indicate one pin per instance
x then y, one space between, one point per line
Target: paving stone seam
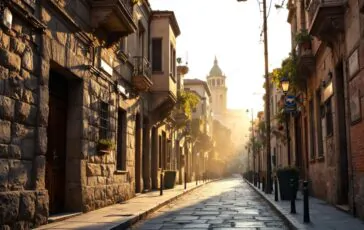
290 221
144 214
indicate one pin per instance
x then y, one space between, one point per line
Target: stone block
41 141
31 83
17 46
21 225
4 151
92 181
100 193
15 152
28 148
7 107
5 131
26 113
27 60
4 41
27 206
29 97
13 87
24 74
9 208
93 169
39 168
41 207
9 60
4 174
44 72
20 174
5 227
22 132
101 180
95 88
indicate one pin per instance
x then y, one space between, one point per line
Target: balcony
141 78
305 61
164 95
114 16
327 18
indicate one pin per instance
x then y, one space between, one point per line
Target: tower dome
215 70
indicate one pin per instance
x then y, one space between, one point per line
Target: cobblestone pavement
224 204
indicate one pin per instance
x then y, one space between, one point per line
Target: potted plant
304 39
105 146
169 179
284 178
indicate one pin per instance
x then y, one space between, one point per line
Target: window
141 43
318 123
312 131
104 120
123 44
329 122
172 61
121 141
157 54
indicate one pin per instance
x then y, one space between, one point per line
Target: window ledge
120 172
158 72
320 158
312 161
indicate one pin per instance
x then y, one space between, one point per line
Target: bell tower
216 81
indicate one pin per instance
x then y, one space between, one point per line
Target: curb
292 223
143 215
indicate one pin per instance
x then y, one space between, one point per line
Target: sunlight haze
230 30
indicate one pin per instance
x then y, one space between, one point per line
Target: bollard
293 201
185 180
263 184
196 180
161 184
258 181
275 188
306 214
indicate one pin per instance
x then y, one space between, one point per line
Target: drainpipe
348 143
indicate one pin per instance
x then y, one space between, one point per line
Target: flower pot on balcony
104 146
305 45
169 179
284 178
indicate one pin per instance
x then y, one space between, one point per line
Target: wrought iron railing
314 5
142 67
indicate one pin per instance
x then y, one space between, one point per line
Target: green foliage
105 144
303 36
288 69
187 102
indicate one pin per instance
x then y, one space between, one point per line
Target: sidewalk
123 215
323 216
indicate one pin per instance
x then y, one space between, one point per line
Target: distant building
231 118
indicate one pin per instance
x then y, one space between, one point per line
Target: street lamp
285 88
285 84
268 187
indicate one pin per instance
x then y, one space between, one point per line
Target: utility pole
268 187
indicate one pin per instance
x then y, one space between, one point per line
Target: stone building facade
74 75
330 123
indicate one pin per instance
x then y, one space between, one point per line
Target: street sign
290 103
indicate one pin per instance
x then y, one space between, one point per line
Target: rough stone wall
354 41
23 200
105 186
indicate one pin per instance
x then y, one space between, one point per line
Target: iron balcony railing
142 67
314 5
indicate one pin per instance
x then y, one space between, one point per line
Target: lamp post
285 88
268 187
253 143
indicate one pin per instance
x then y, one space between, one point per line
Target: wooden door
56 152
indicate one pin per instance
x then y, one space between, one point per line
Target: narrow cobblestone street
224 204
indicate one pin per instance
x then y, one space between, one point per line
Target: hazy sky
230 30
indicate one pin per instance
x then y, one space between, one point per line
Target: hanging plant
187 101
105 146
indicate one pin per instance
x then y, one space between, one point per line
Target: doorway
56 151
343 157
138 163
298 145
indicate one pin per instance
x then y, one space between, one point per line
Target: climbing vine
187 102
